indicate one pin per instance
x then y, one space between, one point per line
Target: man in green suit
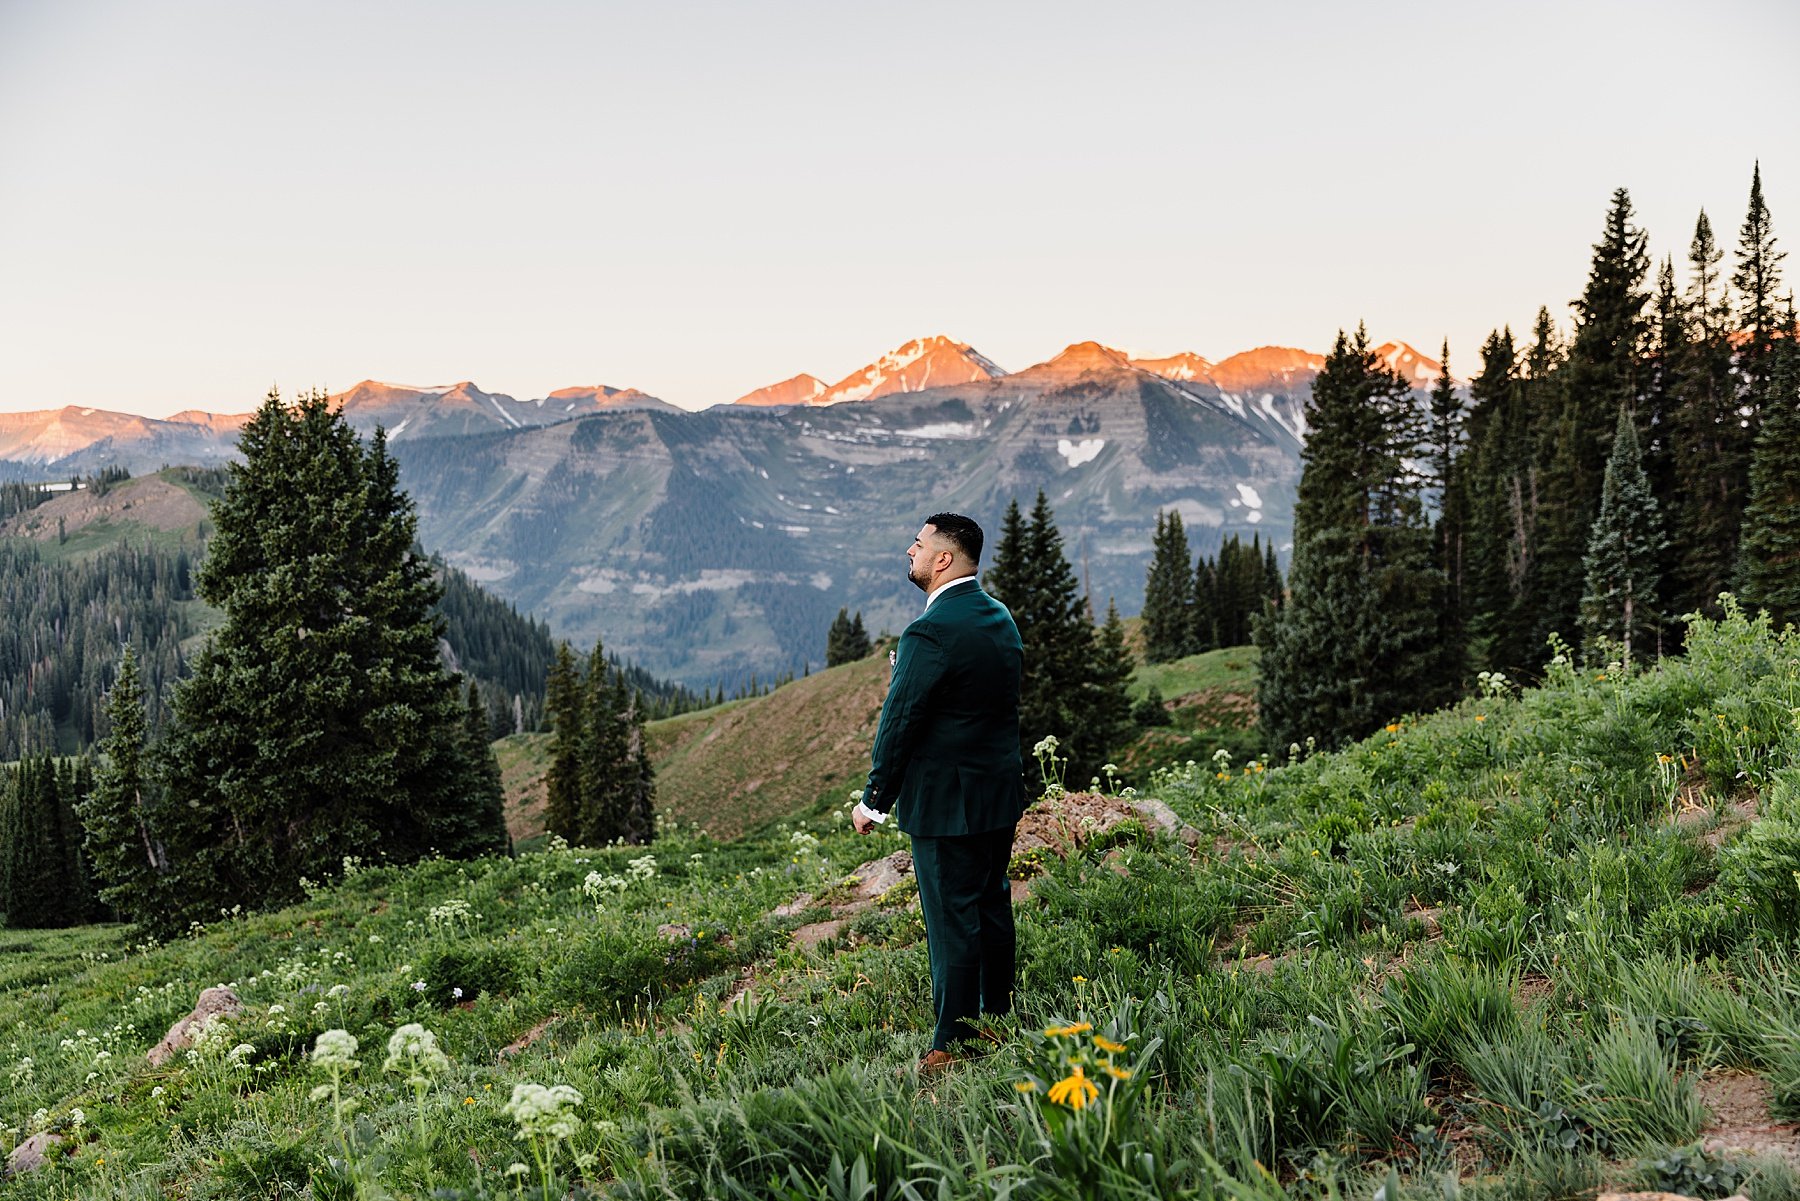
946 764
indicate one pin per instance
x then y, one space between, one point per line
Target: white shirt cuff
867 814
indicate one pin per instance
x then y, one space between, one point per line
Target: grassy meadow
1535 945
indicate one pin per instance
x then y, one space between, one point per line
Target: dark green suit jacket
946 758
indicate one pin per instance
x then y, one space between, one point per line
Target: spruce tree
1361 638
847 641
45 874
603 751
1203 619
1603 374
1446 443
1711 444
562 780
485 784
639 809
1168 593
1758 281
319 721
1619 602
1032 578
1109 721
128 860
1769 571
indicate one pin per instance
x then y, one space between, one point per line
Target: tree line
1591 487
600 788
1202 604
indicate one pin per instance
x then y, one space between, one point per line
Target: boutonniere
893 657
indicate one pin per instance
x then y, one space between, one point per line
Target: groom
946 762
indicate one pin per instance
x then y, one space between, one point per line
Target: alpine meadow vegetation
1509 949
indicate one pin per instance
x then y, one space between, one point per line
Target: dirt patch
1532 989
814 933
1741 1122
1741 813
526 1039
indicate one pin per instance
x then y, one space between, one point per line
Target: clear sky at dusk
199 199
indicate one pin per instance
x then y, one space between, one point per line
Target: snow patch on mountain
1080 452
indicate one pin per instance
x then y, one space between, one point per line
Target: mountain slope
710 545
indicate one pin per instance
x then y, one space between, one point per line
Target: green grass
1493 945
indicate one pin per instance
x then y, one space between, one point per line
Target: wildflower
1025 1086
1074 1090
1108 1045
468 1100
418 986
1070 1030
1116 1073
1079 979
1046 745
338 990
544 1112
336 1049
1391 728
416 1048
1481 717
518 1169
456 994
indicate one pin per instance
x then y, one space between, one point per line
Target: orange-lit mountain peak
1184 366
1417 369
932 362
798 390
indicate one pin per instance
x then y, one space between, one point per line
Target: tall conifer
1361 638
1769 573
1168 593
128 860
1619 602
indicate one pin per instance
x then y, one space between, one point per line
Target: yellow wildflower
1079 979
1481 717
1391 728
468 1100
1074 1090
1067 1031
1108 1045
1116 1073
1025 1086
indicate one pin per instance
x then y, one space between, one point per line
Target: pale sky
201 199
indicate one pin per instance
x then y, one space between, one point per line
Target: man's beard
912 573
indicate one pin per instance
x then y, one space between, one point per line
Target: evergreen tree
319 721
1203 619
562 780
1446 444
640 780
1603 375
1272 585
1769 573
47 883
128 863
1108 683
1623 569
847 641
1168 599
1361 638
1032 578
1758 282
1709 479
484 780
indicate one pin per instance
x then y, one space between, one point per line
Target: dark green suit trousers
967 902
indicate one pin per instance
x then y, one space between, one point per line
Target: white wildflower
544 1112
336 1049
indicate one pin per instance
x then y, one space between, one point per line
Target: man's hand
863 824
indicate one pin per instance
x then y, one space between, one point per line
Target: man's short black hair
960 531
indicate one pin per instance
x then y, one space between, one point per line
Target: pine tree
1361 638
1603 374
1272 583
484 779
1758 282
1623 569
1769 572
1168 599
1446 443
1711 445
128 862
562 780
639 808
45 873
847 641
319 721
603 750
1108 683
1203 619
1032 578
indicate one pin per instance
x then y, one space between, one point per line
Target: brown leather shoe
936 1063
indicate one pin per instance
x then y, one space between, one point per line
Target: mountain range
710 545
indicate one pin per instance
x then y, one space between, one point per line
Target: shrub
465 971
